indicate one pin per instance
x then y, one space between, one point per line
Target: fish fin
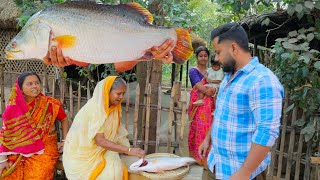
142 10
183 49
124 66
65 41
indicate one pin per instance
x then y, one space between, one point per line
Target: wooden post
177 116
158 119
71 100
3 101
43 86
283 135
144 102
79 96
291 145
307 169
88 90
299 154
127 105
136 116
53 87
170 119
183 118
45 80
146 139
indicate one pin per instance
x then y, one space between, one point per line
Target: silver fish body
95 33
161 164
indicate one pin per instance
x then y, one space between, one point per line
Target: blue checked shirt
248 110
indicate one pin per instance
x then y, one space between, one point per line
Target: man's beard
229 66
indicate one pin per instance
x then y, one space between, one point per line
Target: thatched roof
258 32
9 12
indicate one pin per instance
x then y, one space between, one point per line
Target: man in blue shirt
248 109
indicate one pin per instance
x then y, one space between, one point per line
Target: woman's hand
60 147
4 165
55 57
163 52
204 147
136 152
210 92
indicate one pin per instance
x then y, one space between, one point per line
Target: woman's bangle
5 160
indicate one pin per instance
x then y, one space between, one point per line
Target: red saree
25 136
201 118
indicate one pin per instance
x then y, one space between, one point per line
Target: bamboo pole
291 145
127 105
71 100
53 87
307 169
283 135
145 102
158 119
136 116
88 90
79 96
43 86
170 119
299 154
183 117
146 139
3 101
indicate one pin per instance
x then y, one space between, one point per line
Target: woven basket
171 174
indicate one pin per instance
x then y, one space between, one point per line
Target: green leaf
285 56
287 45
299 8
317 65
317 24
291 9
317 5
317 35
305 59
290 108
311 29
300 15
308 4
293 40
308 131
310 37
302 36
302 31
313 51
293 33
265 22
300 122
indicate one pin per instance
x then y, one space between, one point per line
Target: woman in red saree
28 139
200 115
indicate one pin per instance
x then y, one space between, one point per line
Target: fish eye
14 44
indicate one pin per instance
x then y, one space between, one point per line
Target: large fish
97 34
160 164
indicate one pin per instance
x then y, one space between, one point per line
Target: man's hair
202 48
232 32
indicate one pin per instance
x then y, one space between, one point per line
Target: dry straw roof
9 12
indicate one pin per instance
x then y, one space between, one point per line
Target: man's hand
240 175
163 52
204 147
55 57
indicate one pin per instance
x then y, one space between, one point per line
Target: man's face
223 55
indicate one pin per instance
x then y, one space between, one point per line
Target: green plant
298 68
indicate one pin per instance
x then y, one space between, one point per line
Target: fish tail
183 49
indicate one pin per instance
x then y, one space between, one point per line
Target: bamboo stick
298 160
136 115
79 96
283 135
146 139
183 117
170 119
3 101
158 119
44 86
53 87
88 90
307 169
127 105
71 100
291 145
